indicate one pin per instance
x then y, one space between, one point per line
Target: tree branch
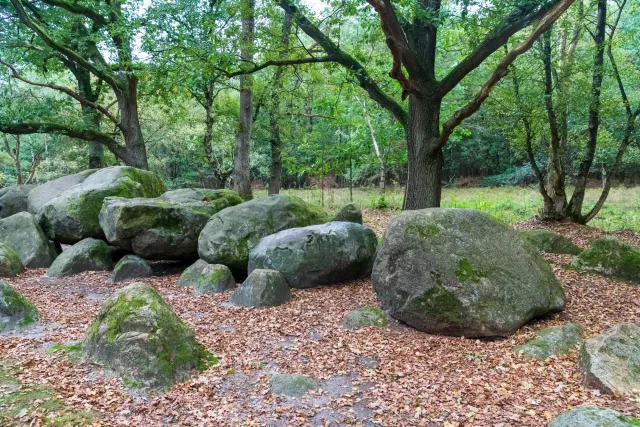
78 9
83 101
347 61
501 71
280 63
513 23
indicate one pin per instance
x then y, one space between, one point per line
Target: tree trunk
274 113
135 152
424 156
241 166
574 208
91 119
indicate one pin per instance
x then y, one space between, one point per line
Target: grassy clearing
508 204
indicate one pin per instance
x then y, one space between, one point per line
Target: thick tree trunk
574 208
425 158
135 152
241 165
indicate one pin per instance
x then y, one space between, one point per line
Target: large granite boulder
233 232
318 254
610 362
43 193
611 257
166 227
460 272
86 255
15 309
551 341
73 214
548 241
131 267
214 279
13 199
586 416
23 233
137 335
263 288
10 264
349 213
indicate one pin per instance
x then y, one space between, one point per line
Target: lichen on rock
551 341
15 309
611 257
10 264
365 317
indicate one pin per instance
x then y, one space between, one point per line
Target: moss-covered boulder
10 264
365 317
349 213
263 288
138 336
23 233
166 227
131 267
587 416
233 232
214 279
611 257
610 362
13 199
551 341
86 255
548 241
293 385
49 190
73 214
318 254
15 309
191 274
460 272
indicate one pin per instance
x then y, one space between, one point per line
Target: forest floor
392 376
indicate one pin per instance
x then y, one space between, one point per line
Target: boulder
318 254
214 279
233 232
459 272
43 193
86 255
611 257
610 362
166 227
586 416
73 214
10 264
263 288
131 267
137 335
349 213
364 317
191 274
15 309
23 233
551 341
548 241
13 199
293 385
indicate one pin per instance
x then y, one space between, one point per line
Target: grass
508 204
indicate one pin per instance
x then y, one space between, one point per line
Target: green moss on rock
547 241
551 341
349 213
214 279
364 317
15 309
131 267
86 255
611 257
10 264
138 335
191 274
293 385
586 416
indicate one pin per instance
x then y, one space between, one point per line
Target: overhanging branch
279 63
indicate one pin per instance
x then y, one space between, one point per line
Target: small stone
10 264
131 267
586 416
551 341
263 288
15 309
214 279
292 384
365 316
86 255
611 257
191 274
349 213
548 241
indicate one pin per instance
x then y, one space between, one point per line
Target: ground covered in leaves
392 376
